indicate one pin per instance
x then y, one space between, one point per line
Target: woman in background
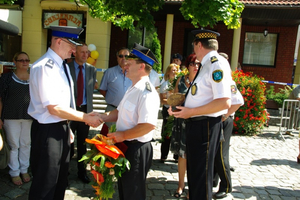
164 93
15 98
178 144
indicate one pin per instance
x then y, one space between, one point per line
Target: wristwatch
224 117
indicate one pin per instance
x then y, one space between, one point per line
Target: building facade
266 43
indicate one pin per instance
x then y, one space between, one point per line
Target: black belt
61 122
81 106
64 122
131 141
194 119
112 105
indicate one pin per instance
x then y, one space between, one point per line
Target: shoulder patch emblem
49 63
213 59
217 75
148 87
233 89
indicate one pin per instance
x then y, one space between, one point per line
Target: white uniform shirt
207 88
138 105
48 86
236 96
154 78
164 87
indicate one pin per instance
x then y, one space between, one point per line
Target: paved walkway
265 168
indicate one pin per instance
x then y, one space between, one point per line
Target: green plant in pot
280 96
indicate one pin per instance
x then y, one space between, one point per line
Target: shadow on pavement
249 192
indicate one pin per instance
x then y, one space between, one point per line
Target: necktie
66 72
79 87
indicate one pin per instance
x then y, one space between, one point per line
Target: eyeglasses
122 56
68 42
23 61
194 64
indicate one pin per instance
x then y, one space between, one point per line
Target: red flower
98 176
109 164
109 150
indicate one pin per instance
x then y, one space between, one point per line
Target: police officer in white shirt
207 100
136 118
52 105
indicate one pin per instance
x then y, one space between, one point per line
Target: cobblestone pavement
265 168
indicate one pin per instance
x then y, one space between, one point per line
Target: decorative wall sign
62 19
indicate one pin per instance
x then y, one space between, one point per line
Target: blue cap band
64 34
143 57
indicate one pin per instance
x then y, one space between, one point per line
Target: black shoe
219 195
84 178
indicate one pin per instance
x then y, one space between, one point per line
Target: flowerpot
271 104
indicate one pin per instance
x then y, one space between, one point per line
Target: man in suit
83 91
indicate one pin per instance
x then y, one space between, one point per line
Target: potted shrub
275 100
252 116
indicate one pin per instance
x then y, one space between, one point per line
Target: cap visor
73 42
132 56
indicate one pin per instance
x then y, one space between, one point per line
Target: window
9 45
140 36
188 40
260 49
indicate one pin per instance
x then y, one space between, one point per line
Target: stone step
99 106
98 96
275 118
99 101
99 110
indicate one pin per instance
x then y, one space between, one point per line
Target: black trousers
222 166
82 131
49 159
202 138
132 184
165 145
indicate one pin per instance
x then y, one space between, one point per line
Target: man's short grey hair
209 44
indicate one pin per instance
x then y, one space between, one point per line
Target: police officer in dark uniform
222 167
206 101
52 105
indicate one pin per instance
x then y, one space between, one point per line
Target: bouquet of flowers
108 163
167 129
177 76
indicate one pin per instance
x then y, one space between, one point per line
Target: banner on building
62 19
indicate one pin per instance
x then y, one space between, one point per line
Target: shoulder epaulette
213 59
148 87
49 63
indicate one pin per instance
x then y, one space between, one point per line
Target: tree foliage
124 13
9 2
208 12
156 49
